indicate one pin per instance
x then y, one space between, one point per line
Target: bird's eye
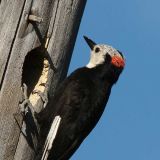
97 49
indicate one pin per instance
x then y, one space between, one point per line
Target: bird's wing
70 150
71 104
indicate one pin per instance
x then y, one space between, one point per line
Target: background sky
130 126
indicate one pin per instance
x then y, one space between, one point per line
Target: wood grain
18 37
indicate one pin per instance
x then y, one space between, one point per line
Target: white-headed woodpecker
81 98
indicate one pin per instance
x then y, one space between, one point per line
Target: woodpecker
81 99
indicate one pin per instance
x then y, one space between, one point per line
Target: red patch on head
118 61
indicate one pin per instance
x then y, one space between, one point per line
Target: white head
99 53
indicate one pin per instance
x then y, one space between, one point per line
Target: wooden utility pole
36 42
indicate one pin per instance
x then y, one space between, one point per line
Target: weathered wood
9 21
18 38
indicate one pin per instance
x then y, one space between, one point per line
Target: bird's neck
106 72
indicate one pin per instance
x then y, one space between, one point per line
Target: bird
81 98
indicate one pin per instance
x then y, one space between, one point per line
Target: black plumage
80 101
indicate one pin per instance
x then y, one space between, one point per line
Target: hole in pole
35 74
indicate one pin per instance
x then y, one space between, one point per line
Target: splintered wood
40 86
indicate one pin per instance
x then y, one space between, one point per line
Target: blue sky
130 126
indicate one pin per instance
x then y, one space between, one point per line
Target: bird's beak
89 42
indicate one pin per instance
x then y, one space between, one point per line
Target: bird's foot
26 105
28 124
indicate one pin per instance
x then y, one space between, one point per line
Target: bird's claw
24 106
